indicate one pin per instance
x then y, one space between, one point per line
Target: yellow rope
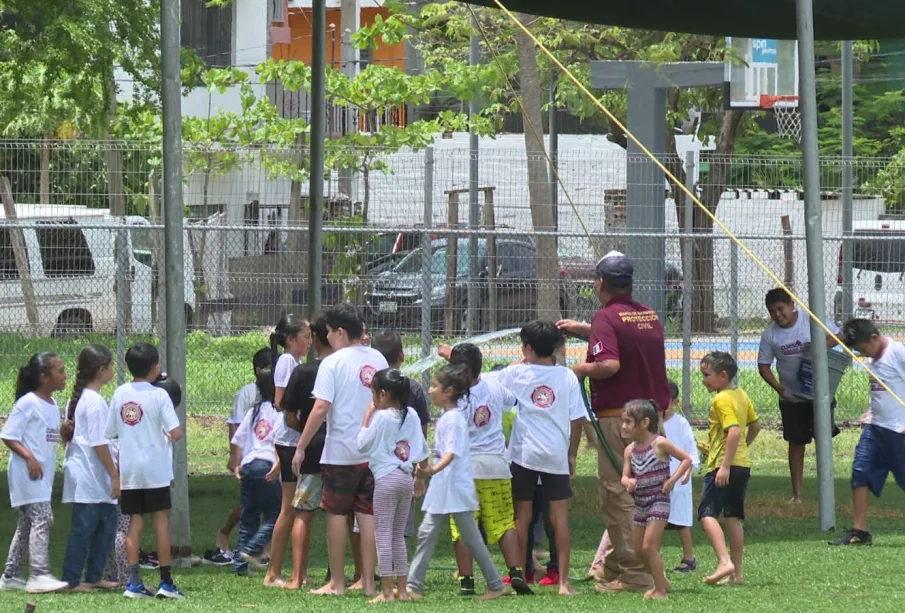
694 198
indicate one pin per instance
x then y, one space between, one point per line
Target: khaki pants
618 508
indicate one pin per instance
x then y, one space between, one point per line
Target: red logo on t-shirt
366 374
481 416
543 397
131 412
402 450
262 429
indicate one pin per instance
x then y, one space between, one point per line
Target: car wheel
73 324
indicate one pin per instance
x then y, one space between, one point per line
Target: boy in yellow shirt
733 426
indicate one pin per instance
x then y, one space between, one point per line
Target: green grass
788 565
219 366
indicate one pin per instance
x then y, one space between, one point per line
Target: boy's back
730 407
140 416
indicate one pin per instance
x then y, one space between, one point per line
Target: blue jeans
261 501
91 537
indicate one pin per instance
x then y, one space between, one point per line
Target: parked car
878 272
397 295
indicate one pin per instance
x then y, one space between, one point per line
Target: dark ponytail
266 391
397 385
289 325
91 359
457 377
29 379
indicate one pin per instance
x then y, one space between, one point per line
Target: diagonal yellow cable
695 199
537 136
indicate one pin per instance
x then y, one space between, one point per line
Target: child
298 403
293 334
646 475
678 432
483 412
254 456
90 477
144 421
733 426
392 438
451 492
246 399
32 434
881 449
545 436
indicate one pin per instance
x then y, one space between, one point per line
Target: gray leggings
31 541
428 534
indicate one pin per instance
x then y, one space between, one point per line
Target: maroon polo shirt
631 333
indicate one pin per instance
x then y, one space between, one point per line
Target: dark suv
396 296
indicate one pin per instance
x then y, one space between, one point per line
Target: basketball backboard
770 69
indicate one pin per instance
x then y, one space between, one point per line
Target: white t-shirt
678 431
246 399
284 435
885 411
140 417
451 490
788 346
36 424
344 380
549 400
256 439
483 411
85 480
392 444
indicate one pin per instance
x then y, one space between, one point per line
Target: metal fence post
733 301
122 265
688 285
426 260
474 213
848 135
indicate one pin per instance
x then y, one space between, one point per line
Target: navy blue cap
616 266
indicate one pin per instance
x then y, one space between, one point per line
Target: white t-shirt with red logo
36 424
284 436
141 415
344 380
549 400
255 434
391 444
483 411
85 480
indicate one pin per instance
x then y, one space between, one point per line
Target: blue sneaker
139 592
169 590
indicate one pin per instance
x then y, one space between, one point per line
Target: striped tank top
650 472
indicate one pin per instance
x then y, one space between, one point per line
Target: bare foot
492 594
295 585
404 596
722 571
565 589
327 590
655 595
274 581
358 585
731 580
382 598
795 500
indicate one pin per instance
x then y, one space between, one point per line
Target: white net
788 121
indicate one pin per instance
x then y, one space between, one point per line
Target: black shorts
143 502
727 501
524 484
286 454
798 421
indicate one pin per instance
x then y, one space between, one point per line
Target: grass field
219 366
789 566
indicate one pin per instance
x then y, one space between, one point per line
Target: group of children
347 433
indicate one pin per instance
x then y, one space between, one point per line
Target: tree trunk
20 253
296 245
548 304
46 145
198 246
703 305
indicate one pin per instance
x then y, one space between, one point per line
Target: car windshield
412 262
880 254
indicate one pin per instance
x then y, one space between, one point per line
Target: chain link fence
81 250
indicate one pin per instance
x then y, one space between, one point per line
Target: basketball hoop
788 117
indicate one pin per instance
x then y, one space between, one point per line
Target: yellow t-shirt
729 408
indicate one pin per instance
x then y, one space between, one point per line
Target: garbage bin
838 362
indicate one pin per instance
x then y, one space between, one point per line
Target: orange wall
300 47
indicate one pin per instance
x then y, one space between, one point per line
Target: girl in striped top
645 474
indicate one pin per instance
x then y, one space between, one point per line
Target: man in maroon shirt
626 361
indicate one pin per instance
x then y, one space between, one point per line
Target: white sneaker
44 584
12 584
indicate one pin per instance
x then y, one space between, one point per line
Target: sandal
687 566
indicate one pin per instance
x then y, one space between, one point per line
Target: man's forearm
597 370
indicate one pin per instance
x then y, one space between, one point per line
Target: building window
208 31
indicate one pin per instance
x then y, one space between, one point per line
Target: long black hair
29 379
289 325
397 385
91 360
266 391
457 377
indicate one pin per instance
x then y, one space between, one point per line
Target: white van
72 262
878 263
